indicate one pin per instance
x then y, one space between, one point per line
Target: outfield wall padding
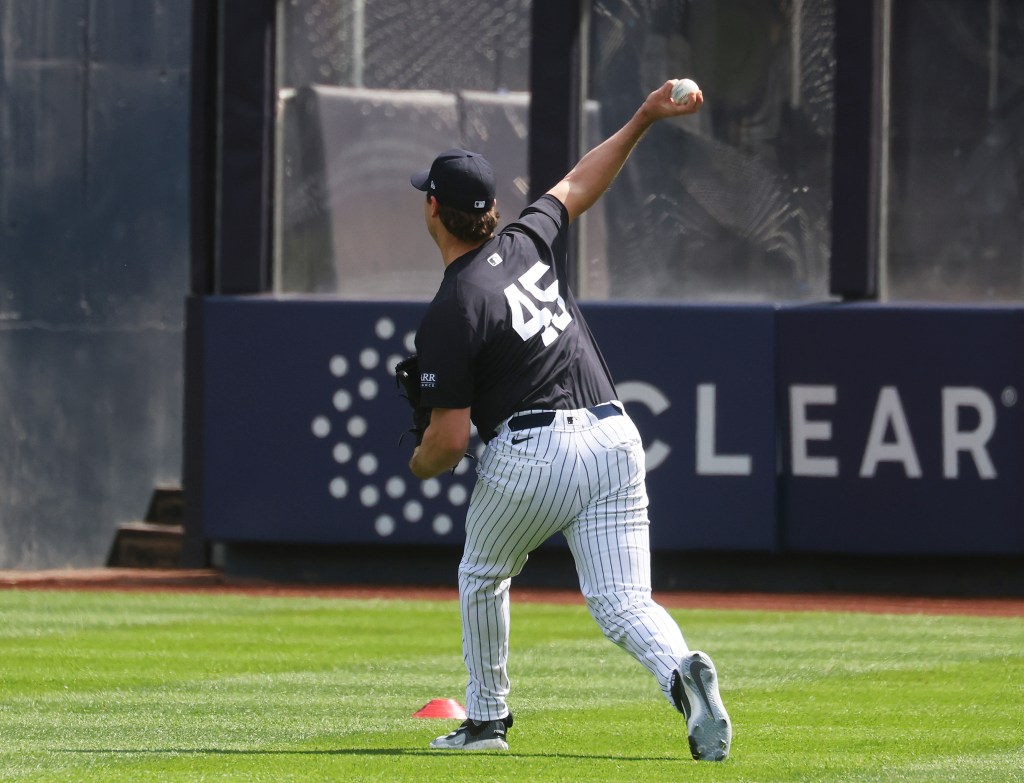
846 429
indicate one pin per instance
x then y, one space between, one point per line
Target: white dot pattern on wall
371 476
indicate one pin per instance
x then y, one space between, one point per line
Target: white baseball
682 89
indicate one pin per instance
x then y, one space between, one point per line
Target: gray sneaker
695 692
471 735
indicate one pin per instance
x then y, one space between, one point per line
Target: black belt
530 420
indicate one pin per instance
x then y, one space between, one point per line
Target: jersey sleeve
444 344
546 217
547 220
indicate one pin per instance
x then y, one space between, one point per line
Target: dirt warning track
211 581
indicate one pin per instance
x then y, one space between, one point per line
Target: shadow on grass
355 752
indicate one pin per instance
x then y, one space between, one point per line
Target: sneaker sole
491 744
711 737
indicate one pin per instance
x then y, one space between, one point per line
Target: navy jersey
504 333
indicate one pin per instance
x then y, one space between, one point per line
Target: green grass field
129 686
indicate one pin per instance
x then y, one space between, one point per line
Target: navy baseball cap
459 179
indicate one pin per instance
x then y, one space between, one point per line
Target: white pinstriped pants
582 476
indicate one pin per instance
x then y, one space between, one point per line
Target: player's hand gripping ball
683 90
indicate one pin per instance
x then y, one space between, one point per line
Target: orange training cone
442 708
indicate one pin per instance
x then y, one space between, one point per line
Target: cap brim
420 181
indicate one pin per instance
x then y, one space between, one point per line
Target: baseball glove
407 374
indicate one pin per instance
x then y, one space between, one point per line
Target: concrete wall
93 269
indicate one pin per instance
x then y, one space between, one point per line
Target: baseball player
503 345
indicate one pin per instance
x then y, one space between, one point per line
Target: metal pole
358 41
280 102
883 156
795 52
993 55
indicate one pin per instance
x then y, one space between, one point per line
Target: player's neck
452 248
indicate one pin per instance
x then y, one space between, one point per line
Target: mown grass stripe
136 686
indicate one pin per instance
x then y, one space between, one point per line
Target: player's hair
469 226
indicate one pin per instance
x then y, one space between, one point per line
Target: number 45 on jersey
529 304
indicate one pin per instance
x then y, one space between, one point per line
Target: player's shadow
346 752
